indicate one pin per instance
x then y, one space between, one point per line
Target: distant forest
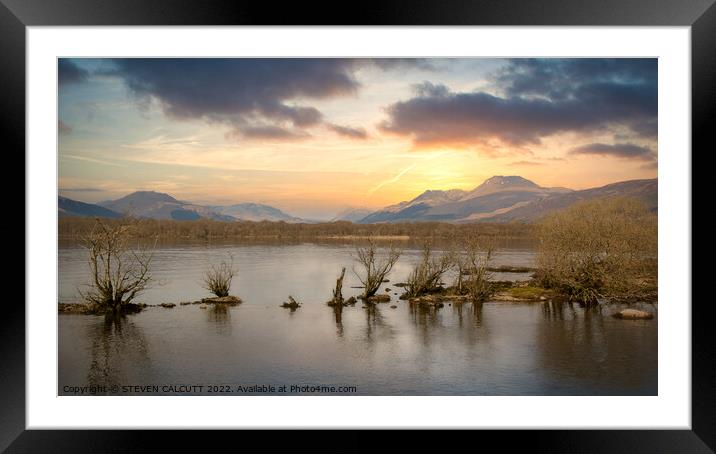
74 227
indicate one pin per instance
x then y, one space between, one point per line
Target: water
495 348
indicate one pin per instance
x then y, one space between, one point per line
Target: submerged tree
217 278
337 299
472 262
427 274
119 272
376 264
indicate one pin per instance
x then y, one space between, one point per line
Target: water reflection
373 320
219 317
118 346
338 316
580 347
461 348
470 311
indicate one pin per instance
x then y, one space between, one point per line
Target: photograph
373 226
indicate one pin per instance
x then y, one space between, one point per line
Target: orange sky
115 140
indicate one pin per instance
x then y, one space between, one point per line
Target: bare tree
428 273
472 263
119 272
375 264
217 278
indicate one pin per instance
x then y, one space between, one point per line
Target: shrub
598 248
118 271
217 279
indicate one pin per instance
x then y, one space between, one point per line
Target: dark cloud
246 93
619 150
562 78
542 97
63 128
428 89
69 73
269 132
349 132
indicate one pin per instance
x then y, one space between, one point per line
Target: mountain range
498 199
495 195
69 207
255 212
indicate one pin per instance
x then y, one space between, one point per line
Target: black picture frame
700 15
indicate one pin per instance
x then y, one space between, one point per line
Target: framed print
445 217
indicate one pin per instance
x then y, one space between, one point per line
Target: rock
542 298
386 280
203 306
291 304
387 289
438 299
66 308
393 306
168 305
633 314
184 303
221 300
377 299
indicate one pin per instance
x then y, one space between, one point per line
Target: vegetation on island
218 277
604 248
375 263
119 270
594 250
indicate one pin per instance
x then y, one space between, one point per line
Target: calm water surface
495 348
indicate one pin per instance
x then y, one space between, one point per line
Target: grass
528 293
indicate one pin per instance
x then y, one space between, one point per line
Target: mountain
644 190
496 195
69 207
255 212
157 205
352 214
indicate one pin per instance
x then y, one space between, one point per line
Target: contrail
98 161
392 180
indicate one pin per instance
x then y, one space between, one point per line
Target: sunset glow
316 136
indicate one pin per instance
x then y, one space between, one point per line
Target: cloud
562 78
525 163
81 189
69 73
349 132
271 132
428 89
540 98
246 93
619 150
63 128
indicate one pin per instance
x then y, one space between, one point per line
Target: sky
317 136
